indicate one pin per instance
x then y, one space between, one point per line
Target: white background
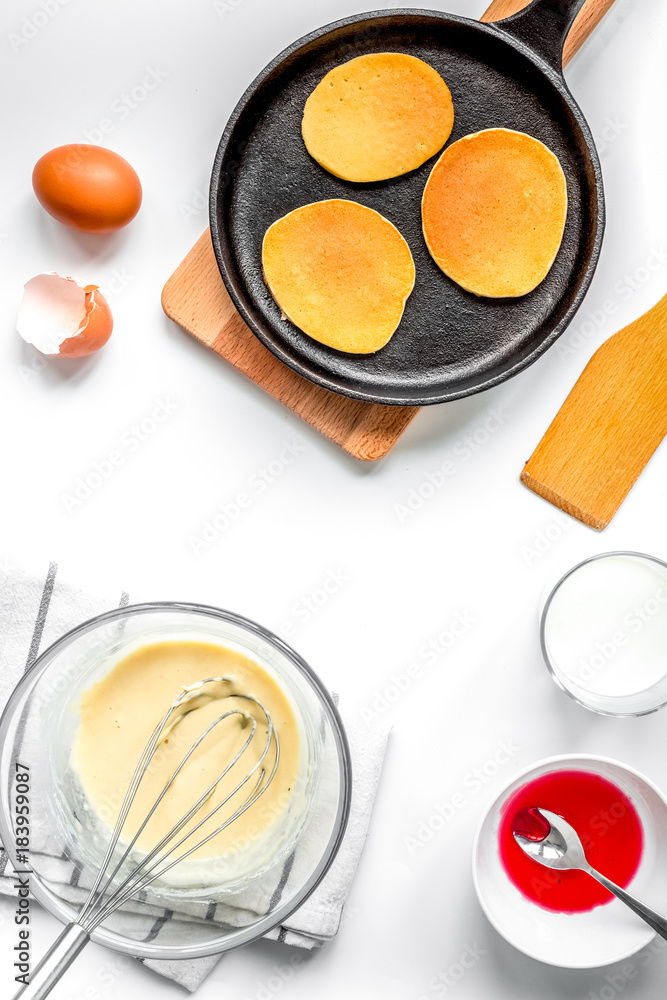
482 546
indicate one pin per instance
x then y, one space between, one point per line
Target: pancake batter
121 710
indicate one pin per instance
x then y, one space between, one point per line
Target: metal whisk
110 890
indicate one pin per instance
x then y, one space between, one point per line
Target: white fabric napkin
34 612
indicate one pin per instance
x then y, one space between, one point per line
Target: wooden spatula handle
588 17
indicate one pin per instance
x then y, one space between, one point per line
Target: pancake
493 212
340 272
377 116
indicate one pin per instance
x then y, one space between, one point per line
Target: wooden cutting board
609 426
196 298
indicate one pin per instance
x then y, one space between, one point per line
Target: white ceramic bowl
592 938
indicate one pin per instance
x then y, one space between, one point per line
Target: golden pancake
340 272
377 116
493 212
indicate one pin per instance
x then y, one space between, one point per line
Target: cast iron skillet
449 343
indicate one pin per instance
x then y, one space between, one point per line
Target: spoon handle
653 919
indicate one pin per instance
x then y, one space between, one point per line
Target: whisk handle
55 963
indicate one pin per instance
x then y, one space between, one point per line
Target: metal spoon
562 848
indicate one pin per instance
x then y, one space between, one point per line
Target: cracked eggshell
63 318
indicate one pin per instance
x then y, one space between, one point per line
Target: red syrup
529 823
606 821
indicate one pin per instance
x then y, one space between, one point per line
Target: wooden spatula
609 426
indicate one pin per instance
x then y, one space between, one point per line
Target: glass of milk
603 630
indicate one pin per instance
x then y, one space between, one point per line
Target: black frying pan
449 343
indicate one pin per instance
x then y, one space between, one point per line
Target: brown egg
87 187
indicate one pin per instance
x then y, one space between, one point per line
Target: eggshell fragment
63 318
87 187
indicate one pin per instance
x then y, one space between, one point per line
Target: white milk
605 631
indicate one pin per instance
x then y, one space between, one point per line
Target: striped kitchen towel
33 614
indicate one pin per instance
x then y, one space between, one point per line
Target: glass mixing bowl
67 839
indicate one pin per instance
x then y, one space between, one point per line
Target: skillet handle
543 27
